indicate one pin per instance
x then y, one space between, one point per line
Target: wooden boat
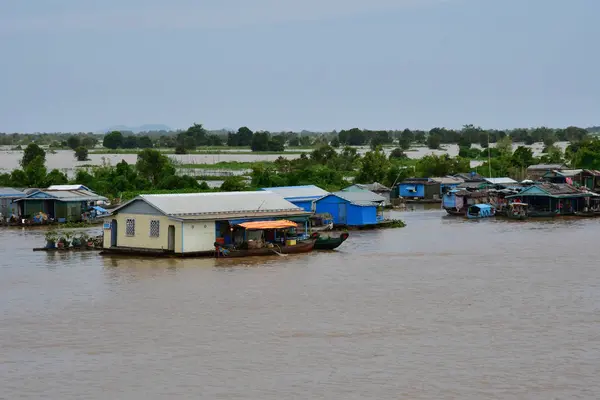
517 211
588 214
480 211
330 243
303 246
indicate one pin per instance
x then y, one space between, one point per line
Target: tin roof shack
59 205
374 187
535 172
7 196
470 177
301 196
190 224
550 199
457 201
447 183
578 177
352 209
420 189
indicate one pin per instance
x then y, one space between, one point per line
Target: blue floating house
7 197
419 189
352 208
61 205
301 196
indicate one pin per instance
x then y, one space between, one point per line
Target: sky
86 65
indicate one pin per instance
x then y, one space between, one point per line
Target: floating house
419 189
7 197
447 183
457 201
301 196
191 224
548 199
579 177
535 172
374 187
352 209
60 205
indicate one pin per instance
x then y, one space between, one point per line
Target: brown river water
442 309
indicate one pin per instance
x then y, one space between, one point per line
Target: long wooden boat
304 246
588 214
330 243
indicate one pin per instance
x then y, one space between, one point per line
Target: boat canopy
518 204
258 225
482 206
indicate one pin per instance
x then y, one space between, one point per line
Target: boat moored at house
480 211
190 224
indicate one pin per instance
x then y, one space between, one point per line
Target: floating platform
57 249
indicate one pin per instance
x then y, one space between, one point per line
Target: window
154 228
130 227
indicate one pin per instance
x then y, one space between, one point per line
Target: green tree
398 154
89 142
434 141
244 136
529 140
260 141
55 177
522 157
276 143
234 184
504 146
35 172
432 165
335 142
81 153
373 167
73 142
144 142
113 140
153 165
554 155
32 151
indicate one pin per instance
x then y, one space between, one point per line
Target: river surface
443 309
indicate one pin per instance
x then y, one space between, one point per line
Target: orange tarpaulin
282 224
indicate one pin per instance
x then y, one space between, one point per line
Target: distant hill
594 129
137 129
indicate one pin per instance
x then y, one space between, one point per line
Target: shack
352 209
374 187
535 172
301 196
447 183
57 205
7 206
549 199
191 223
457 201
578 177
419 189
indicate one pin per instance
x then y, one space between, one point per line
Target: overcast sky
85 65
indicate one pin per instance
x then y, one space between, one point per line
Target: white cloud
208 14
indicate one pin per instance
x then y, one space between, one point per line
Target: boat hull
330 243
305 246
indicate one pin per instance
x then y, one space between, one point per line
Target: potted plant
65 240
51 238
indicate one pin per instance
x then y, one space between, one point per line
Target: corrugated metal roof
569 172
500 181
68 187
448 180
230 203
292 192
373 187
10 192
67 195
361 198
545 166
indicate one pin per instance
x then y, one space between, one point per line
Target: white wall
199 236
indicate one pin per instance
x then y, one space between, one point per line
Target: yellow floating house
189 224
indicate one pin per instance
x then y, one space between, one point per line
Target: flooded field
445 308
64 159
